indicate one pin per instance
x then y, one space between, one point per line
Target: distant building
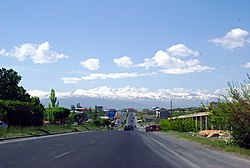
99 108
131 110
157 111
81 110
161 112
145 110
164 113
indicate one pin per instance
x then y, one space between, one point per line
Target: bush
234 108
180 125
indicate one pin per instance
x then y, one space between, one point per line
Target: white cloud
247 65
71 80
91 64
124 62
148 63
235 38
40 54
115 75
182 51
173 65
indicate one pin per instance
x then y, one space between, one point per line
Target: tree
17 107
61 114
53 98
49 114
37 111
78 105
73 108
9 89
233 111
20 113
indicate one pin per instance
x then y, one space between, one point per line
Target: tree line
18 108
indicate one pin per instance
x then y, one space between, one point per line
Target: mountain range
129 96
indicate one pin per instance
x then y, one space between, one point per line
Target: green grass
211 142
43 130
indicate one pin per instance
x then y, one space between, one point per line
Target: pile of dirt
214 133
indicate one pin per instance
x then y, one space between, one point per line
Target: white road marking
176 154
92 142
63 154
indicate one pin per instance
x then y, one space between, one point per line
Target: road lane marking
164 148
63 154
176 154
239 159
92 142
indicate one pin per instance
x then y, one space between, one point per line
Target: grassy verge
43 130
212 142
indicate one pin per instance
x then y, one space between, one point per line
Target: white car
3 124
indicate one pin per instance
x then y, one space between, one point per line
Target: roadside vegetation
26 115
211 142
231 113
187 125
14 132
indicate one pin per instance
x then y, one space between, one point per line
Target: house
161 112
164 113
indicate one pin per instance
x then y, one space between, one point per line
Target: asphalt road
113 149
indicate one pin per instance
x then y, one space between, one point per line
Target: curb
31 136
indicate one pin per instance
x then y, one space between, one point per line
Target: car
148 129
3 124
128 128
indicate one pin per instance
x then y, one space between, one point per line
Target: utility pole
171 107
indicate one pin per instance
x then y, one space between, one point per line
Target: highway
113 149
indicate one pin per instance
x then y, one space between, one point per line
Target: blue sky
153 44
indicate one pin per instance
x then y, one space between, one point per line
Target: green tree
233 112
9 89
20 113
78 105
37 111
72 108
17 107
53 98
95 115
61 114
49 114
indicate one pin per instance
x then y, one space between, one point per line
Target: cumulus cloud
124 61
91 64
173 61
180 50
40 54
247 65
115 75
173 65
71 80
148 63
235 38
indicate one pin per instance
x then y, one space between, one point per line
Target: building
164 113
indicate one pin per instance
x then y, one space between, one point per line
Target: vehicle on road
152 127
128 128
3 124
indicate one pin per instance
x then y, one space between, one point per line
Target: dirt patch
214 134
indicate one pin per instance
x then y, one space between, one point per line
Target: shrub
180 125
234 109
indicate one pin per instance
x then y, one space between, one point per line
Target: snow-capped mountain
130 95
